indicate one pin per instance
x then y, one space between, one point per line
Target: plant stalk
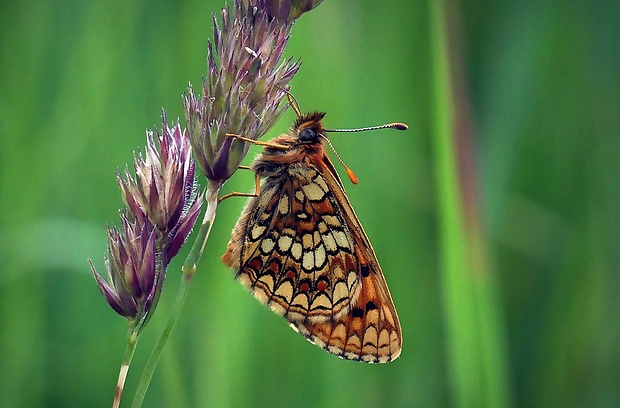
132 341
135 328
188 269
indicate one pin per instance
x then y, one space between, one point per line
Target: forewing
293 249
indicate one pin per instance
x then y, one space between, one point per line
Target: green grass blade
477 362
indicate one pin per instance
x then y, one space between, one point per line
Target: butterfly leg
236 194
257 142
293 102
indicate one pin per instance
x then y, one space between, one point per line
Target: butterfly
301 250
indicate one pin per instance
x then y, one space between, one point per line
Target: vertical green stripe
474 335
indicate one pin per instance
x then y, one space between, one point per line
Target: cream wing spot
322 227
330 242
296 251
332 220
321 302
352 279
384 342
308 260
257 231
369 358
341 239
314 192
370 339
285 291
267 245
341 292
266 281
372 315
337 350
316 238
301 301
385 358
283 207
319 256
318 342
320 181
284 243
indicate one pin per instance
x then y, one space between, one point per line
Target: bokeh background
499 241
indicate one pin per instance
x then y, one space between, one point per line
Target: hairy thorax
272 162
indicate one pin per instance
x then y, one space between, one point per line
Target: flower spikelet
245 83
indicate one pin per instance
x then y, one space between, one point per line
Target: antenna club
351 175
395 125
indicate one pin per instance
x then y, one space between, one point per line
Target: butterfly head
308 128
303 141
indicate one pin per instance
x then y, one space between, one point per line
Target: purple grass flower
164 189
162 204
130 266
245 83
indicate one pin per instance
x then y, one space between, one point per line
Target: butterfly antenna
352 176
350 173
396 125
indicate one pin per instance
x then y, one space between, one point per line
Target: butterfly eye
308 135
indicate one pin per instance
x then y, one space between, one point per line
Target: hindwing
294 251
300 249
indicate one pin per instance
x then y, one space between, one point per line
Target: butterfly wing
371 331
301 250
292 250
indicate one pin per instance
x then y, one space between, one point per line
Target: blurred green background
522 310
